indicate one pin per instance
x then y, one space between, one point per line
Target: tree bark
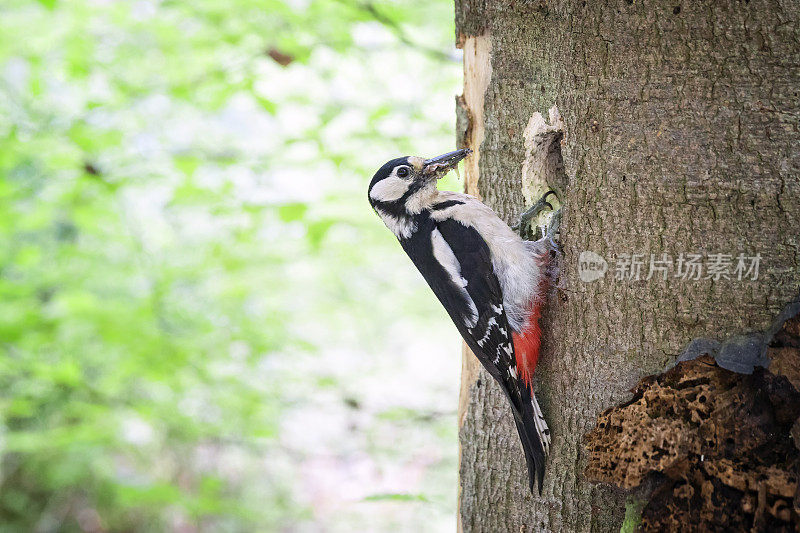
681 136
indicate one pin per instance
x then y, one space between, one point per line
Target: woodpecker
490 281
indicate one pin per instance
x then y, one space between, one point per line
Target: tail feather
535 438
534 461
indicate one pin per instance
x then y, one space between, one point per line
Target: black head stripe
446 204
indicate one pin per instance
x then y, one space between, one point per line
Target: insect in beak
438 166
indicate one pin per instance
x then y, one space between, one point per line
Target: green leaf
317 231
186 164
292 212
157 493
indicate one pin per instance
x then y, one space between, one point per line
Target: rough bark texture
681 134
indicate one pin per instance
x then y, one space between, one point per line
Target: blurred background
203 326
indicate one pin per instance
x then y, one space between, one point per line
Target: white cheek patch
444 256
389 189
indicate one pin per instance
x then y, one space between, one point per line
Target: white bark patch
477 75
445 256
540 158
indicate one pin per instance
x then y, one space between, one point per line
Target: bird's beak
438 166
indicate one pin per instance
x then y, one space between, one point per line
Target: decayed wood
681 133
717 446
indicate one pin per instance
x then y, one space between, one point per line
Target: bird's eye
403 172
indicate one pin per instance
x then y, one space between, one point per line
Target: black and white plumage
488 279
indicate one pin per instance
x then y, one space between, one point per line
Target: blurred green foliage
184 231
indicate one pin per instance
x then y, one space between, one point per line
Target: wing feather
491 340
490 336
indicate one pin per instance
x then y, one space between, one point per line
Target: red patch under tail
528 342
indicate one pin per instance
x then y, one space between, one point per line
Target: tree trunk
681 137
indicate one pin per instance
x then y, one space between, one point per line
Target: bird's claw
553 230
523 227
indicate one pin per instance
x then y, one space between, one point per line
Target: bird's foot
553 231
523 227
